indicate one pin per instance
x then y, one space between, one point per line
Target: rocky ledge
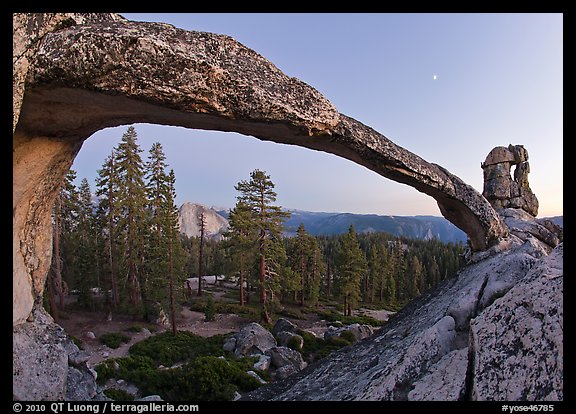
493 332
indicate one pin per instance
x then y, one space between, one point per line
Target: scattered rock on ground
253 339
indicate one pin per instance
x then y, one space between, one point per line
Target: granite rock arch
74 74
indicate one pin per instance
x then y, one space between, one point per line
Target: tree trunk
303 281
113 282
171 281
57 259
262 279
53 307
241 281
201 254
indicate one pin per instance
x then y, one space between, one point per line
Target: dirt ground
82 324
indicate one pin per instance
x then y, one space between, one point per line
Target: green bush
333 316
205 377
134 328
295 343
105 371
118 394
210 310
114 339
349 336
167 349
315 348
123 368
76 341
338 341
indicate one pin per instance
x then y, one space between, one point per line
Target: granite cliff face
188 220
74 74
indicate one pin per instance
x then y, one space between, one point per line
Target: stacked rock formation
499 188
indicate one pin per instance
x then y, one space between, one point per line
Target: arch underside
102 73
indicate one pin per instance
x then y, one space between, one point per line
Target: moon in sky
434 77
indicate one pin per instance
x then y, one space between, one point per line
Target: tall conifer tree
258 193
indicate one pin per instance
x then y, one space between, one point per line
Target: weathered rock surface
40 360
499 188
522 335
188 221
47 365
505 311
285 362
359 331
283 325
252 339
285 338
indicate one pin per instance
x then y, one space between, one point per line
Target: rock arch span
77 73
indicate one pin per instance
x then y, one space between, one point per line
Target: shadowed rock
499 188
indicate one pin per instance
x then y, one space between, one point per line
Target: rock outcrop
494 332
499 188
188 221
74 74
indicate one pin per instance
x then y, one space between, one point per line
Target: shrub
76 341
333 316
105 371
338 341
210 310
315 348
167 349
134 328
118 394
295 343
349 336
206 377
114 339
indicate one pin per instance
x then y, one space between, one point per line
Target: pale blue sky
499 82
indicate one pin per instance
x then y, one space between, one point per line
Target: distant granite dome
189 225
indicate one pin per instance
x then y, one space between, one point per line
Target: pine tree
414 275
202 225
86 249
307 266
157 193
108 208
352 266
258 194
65 221
240 242
132 223
175 251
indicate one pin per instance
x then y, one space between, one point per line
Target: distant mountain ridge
326 224
416 227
